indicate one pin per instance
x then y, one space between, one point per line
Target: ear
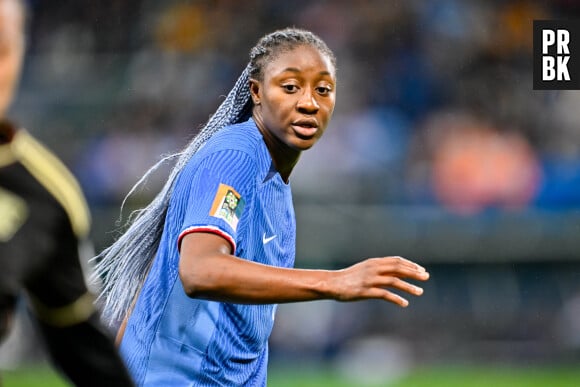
255 91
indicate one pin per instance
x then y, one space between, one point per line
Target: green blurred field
429 377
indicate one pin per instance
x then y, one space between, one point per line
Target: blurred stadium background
439 151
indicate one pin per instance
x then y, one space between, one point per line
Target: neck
283 157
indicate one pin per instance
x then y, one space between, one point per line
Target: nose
307 102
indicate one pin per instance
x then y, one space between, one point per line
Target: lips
305 128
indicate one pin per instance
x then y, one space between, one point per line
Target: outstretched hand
373 277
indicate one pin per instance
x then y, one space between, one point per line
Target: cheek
330 105
328 111
9 71
276 111
8 75
281 103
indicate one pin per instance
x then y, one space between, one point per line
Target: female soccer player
199 272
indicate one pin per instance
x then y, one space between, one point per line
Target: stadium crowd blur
436 110
435 103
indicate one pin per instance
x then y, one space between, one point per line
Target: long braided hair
123 266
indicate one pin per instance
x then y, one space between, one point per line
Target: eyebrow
296 70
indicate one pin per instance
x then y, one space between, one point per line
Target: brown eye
323 90
290 88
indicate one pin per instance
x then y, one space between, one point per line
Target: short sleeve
216 194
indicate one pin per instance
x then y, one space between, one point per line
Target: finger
405 286
411 263
403 262
399 284
420 276
395 299
404 272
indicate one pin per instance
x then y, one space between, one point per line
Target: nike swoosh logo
268 239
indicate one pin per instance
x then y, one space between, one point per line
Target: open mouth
305 129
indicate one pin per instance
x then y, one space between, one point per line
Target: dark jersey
43 220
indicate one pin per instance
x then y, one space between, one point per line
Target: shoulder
244 137
238 146
54 176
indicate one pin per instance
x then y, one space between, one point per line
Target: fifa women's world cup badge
227 205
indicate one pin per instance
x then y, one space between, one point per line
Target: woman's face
296 98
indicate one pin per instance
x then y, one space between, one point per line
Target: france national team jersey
229 188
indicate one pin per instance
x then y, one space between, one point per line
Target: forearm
231 279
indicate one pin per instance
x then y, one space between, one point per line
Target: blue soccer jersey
229 188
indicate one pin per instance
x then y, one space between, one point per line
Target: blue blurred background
440 151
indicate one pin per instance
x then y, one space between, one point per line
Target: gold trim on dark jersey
14 212
6 155
55 177
65 316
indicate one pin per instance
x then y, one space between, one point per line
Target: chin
303 145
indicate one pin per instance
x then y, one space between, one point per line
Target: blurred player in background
44 219
197 275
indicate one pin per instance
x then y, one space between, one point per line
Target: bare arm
208 270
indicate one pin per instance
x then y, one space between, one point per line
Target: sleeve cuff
209 229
